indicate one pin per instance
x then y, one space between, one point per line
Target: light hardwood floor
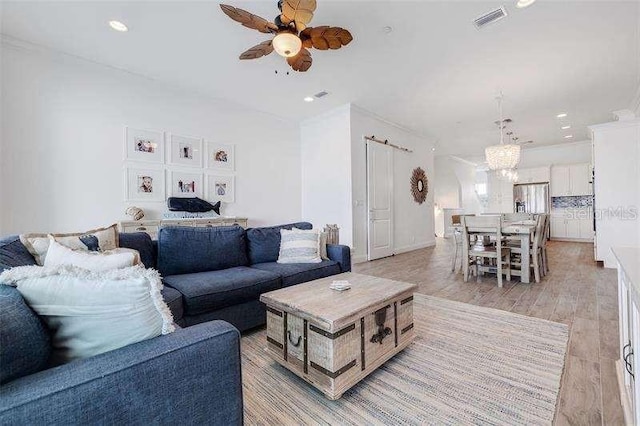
576 292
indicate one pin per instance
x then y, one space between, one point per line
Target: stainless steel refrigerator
531 198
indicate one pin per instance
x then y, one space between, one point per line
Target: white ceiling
434 73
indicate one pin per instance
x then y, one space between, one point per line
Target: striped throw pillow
298 246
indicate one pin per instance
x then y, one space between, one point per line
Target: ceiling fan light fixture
287 44
524 3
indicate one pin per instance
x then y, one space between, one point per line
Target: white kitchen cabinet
571 180
585 227
572 224
499 194
533 175
558 227
573 228
629 331
580 179
560 185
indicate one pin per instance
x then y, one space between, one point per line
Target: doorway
379 200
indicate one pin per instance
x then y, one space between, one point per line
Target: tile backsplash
572 202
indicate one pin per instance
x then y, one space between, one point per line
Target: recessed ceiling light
561 115
308 99
118 26
524 3
565 127
568 136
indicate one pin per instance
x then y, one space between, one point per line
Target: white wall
413 223
326 171
62 144
447 191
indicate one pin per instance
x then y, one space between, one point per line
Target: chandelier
503 158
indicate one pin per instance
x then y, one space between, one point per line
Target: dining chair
545 262
457 241
535 251
475 254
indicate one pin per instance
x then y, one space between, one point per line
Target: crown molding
14 43
373 115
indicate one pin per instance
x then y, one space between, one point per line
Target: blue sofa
220 273
192 375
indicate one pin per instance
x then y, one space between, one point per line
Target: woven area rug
467 365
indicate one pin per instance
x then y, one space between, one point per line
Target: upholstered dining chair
474 255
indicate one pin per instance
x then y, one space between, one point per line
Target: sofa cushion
14 253
188 250
173 299
264 243
296 273
24 341
207 291
140 241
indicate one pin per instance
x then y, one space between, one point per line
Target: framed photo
185 184
144 184
221 156
185 151
221 188
144 145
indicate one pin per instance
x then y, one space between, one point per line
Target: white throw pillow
90 313
100 239
299 246
57 254
323 243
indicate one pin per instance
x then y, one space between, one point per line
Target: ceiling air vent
490 17
321 94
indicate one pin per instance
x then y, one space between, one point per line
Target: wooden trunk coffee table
334 339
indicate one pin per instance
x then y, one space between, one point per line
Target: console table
152 227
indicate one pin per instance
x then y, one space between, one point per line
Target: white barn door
379 200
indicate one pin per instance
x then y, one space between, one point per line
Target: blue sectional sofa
192 375
221 272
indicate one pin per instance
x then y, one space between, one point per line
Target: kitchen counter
629 260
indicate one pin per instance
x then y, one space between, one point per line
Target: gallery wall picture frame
142 145
144 184
185 150
221 156
184 184
221 188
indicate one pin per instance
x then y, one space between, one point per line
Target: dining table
521 231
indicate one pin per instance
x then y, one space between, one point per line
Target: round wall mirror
419 185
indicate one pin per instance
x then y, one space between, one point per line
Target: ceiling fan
293 37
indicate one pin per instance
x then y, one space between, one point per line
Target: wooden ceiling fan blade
302 61
298 11
249 20
325 37
258 51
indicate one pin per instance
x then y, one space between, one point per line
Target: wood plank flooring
576 292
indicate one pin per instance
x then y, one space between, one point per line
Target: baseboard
361 258
625 400
573 240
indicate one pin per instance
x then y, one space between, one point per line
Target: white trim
614 124
361 258
54 54
391 123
